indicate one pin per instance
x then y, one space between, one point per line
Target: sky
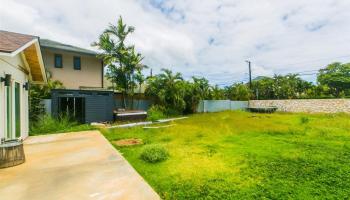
209 38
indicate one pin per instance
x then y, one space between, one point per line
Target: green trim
18 109
8 112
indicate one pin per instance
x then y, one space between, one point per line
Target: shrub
47 124
155 113
154 153
304 120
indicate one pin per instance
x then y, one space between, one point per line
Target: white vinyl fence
221 105
47 105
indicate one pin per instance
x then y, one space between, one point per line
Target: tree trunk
138 102
125 93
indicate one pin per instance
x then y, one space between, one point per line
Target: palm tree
122 60
168 89
140 79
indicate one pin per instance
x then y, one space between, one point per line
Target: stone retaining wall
306 105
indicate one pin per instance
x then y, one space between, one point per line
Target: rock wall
306 105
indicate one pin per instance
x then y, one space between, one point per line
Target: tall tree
337 77
122 60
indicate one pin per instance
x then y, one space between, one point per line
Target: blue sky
210 38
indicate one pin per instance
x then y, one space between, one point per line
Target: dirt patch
128 142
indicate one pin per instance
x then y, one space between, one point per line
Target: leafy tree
168 89
239 92
39 92
263 88
217 93
197 90
289 86
337 77
122 60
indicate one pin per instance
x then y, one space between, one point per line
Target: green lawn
239 155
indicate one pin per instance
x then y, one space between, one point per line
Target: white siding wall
7 66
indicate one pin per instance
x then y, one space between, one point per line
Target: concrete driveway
75 166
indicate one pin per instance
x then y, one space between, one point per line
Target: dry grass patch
128 142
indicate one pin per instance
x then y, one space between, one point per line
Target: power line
311 61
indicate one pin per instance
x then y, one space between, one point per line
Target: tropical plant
39 92
140 80
195 91
156 112
239 92
217 93
337 77
47 124
122 60
168 90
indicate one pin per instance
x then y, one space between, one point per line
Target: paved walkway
75 166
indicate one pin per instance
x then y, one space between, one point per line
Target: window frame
76 58
55 61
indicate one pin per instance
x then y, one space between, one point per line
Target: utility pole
250 74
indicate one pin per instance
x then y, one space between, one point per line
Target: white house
20 63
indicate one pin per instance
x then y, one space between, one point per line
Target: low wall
306 105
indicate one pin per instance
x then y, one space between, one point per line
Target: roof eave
71 51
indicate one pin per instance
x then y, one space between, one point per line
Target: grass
239 155
50 125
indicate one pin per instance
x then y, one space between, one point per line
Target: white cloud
208 38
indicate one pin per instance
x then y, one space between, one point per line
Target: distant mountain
258 78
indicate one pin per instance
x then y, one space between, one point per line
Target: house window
76 63
58 61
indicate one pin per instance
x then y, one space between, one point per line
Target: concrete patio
75 166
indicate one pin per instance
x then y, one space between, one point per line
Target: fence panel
220 105
239 105
136 104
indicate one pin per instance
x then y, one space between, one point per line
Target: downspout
102 73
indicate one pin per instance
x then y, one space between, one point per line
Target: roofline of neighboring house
71 51
90 53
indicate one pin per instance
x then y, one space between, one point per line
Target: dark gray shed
85 106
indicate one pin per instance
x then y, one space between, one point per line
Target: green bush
47 124
304 120
155 113
154 153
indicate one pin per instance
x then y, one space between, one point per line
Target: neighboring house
75 67
20 63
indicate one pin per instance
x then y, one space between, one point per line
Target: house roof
10 42
27 46
45 43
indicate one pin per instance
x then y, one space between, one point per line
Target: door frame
13 110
